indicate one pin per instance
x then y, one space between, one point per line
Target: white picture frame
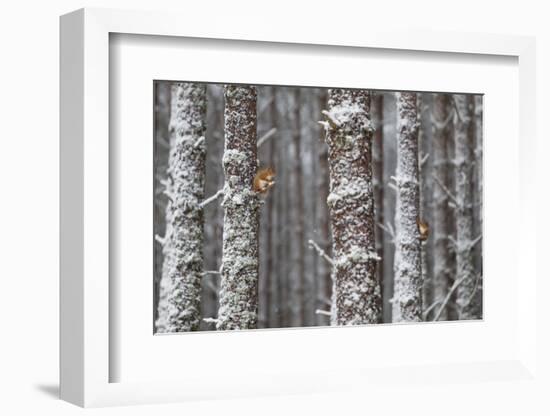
85 354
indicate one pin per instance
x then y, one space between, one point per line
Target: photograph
297 206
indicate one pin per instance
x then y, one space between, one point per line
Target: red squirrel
423 229
264 180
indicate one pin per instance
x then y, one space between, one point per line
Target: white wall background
29 204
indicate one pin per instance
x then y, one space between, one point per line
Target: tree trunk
425 166
180 289
478 192
407 296
378 179
323 222
298 220
163 138
351 205
467 296
239 279
213 215
441 231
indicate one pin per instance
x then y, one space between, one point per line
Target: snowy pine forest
281 207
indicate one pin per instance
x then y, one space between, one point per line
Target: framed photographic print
281 213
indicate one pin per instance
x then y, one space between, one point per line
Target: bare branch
321 252
447 298
430 308
211 272
475 241
266 136
387 228
211 199
446 190
424 159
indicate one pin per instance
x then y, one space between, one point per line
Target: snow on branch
331 120
266 136
211 199
210 320
320 251
322 312
160 240
211 272
198 142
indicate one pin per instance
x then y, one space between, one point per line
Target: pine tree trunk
378 179
351 205
298 220
441 231
467 297
478 192
239 279
163 93
213 215
390 199
407 295
425 166
323 220
180 289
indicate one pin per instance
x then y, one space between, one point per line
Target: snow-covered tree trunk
441 232
478 191
407 292
180 288
356 291
378 178
467 297
240 262
425 166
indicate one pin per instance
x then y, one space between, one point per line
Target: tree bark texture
240 259
441 257
180 288
378 179
468 298
407 295
356 291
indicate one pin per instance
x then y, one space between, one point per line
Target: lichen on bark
356 290
239 273
407 297
180 286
